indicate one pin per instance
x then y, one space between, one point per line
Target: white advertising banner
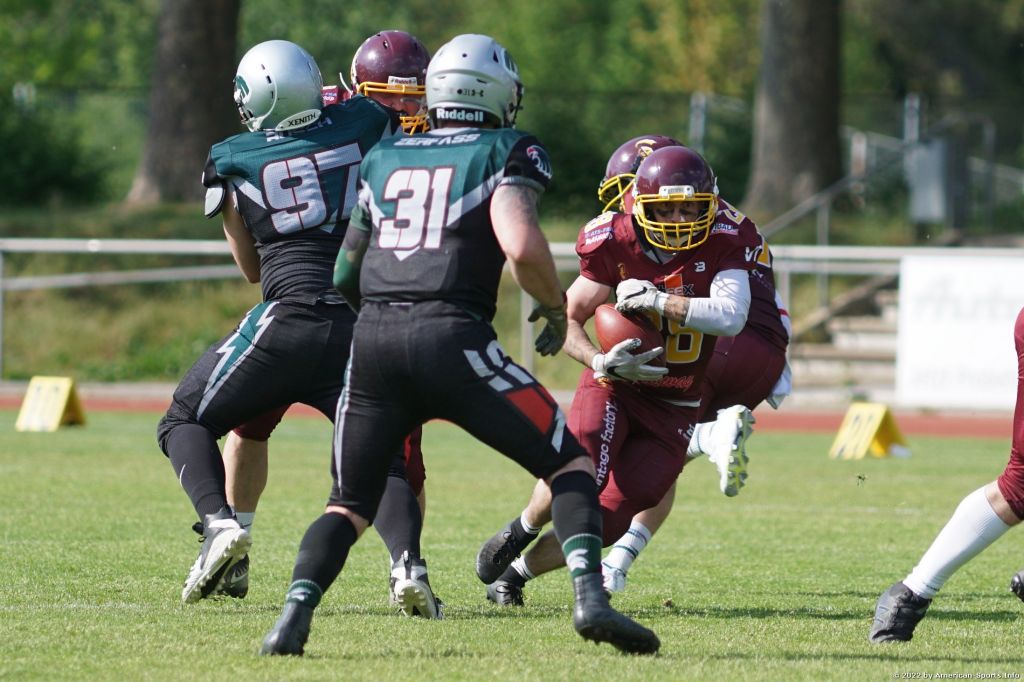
956 319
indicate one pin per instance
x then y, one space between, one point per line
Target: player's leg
507 409
502 548
980 519
627 548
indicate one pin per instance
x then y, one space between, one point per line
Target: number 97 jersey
425 200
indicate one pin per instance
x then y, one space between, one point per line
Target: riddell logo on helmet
468 115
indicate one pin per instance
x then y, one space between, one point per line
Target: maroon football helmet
613 192
391 67
675 198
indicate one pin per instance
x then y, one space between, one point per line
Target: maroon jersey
764 316
611 250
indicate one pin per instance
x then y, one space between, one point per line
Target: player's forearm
514 217
347 266
723 313
536 275
578 345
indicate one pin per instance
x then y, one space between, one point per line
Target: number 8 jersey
426 202
295 192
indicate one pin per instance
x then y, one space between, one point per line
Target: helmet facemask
677 218
400 94
612 192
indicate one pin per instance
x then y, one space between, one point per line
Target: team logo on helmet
539 157
241 89
644 147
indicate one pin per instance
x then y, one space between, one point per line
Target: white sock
973 527
519 566
532 530
628 547
245 519
701 433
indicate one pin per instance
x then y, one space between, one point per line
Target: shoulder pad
596 232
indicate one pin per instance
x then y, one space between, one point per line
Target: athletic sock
323 551
973 527
576 516
398 520
701 433
245 519
196 460
517 573
628 547
525 527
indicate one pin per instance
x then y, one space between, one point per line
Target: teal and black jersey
295 191
426 202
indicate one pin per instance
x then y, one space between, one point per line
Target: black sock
398 519
197 462
511 575
323 550
519 535
576 515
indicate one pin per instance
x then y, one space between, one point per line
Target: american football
613 327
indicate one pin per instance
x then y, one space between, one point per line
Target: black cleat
290 632
1017 584
897 614
498 553
597 621
505 593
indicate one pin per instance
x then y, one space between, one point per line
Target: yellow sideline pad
868 427
49 403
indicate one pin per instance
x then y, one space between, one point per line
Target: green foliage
776 584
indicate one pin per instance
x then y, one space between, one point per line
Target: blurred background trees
84 83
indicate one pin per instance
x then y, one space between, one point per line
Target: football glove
620 363
636 296
552 337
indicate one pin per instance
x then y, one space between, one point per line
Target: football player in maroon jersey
389 67
683 256
980 519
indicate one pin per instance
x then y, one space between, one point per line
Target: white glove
620 363
635 295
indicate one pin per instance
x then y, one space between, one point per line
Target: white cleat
410 589
728 450
614 579
224 543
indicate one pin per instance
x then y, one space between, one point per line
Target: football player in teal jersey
439 214
285 191
389 67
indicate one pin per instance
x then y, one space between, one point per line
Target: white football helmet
473 79
278 87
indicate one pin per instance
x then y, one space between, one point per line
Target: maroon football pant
637 443
1011 481
262 426
742 371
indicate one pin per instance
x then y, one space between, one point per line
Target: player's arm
722 313
583 297
348 264
517 229
241 242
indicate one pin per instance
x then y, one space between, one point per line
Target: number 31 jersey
295 191
426 199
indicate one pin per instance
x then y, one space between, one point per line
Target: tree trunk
796 111
190 105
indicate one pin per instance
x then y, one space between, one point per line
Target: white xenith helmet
473 79
278 87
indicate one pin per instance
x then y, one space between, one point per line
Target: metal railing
790 260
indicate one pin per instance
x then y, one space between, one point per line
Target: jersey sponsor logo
611 411
540 160
681 383
600 234
428 141
466 115
725 228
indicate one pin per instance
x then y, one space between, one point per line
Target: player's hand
620 363
552 337
635 296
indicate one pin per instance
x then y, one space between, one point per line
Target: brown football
613 327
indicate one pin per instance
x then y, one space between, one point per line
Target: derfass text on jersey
428 141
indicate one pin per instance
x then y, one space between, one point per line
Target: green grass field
776 584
